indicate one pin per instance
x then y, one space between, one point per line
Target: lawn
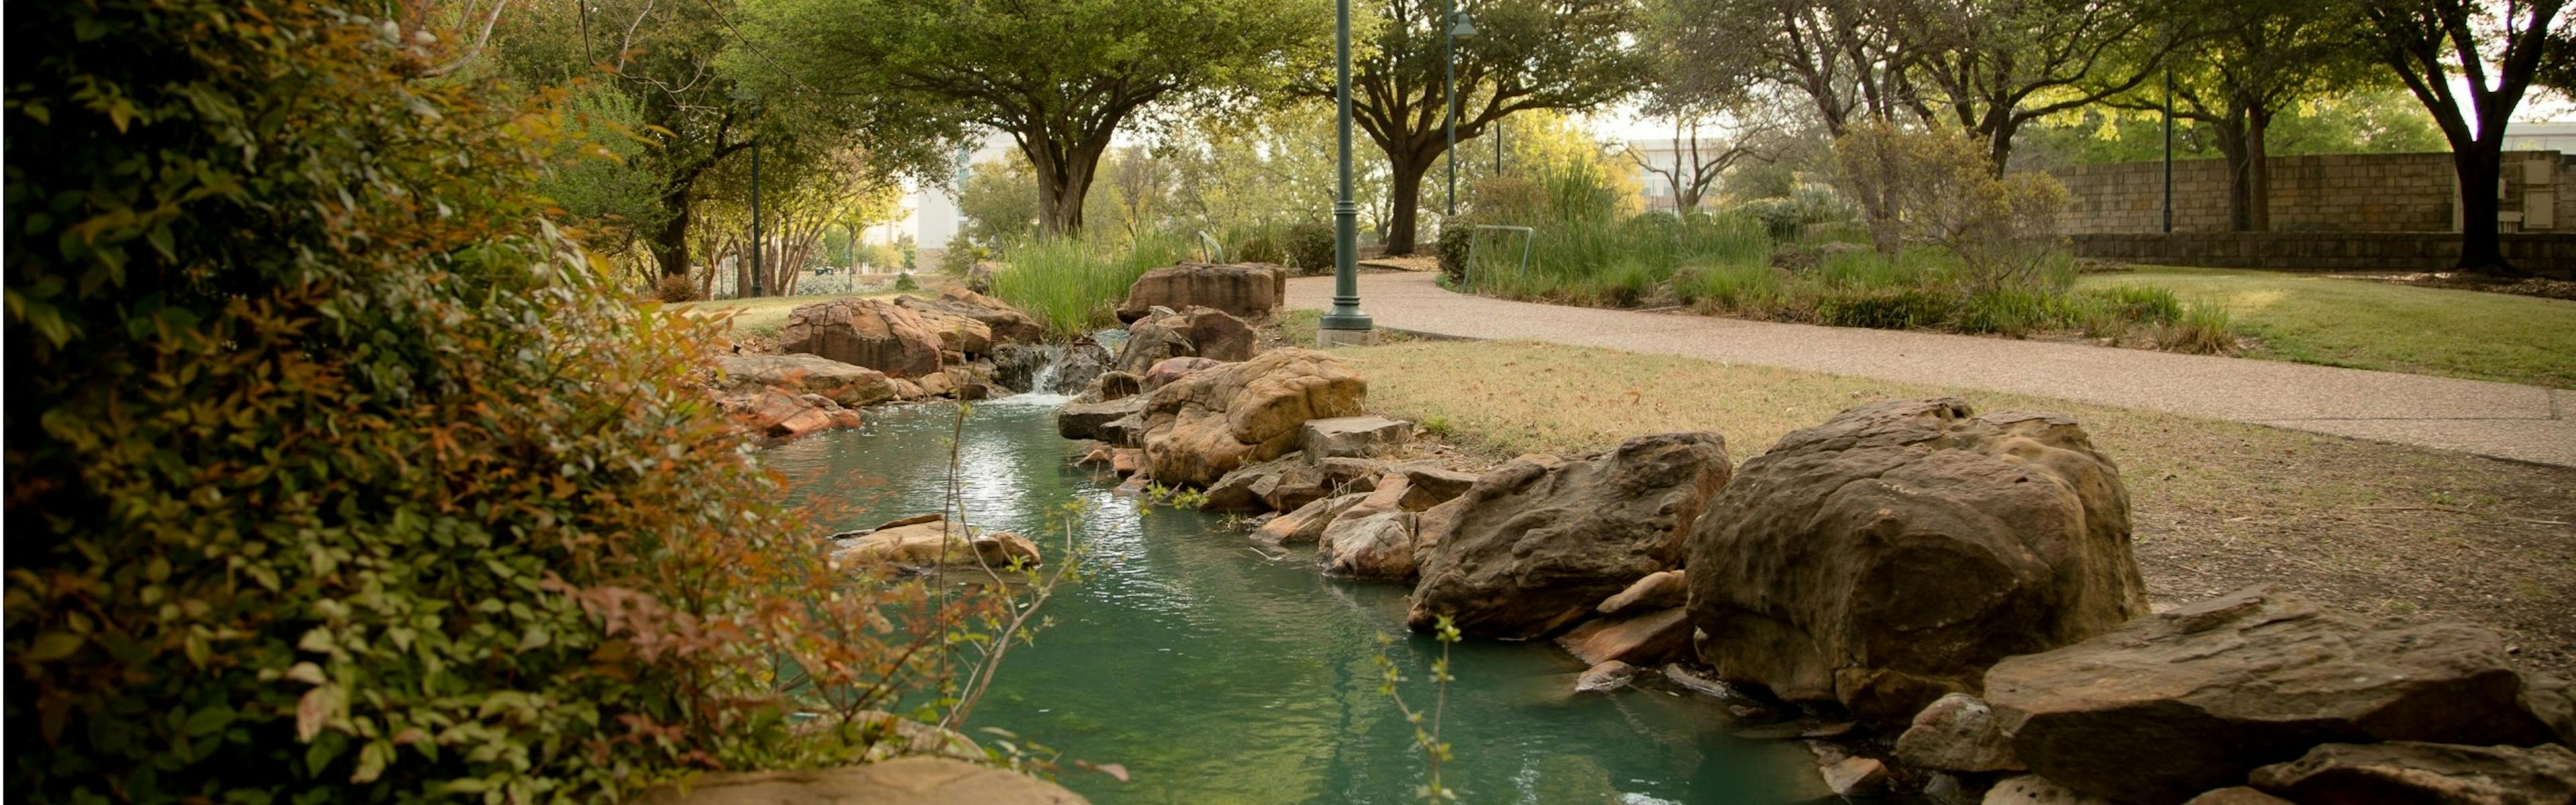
2378 528
2377 325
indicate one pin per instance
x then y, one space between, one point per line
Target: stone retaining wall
2324 193
2553 254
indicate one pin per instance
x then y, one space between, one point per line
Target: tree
1526 54
1848 57
1059 76
2499 50
1989 67
2260 57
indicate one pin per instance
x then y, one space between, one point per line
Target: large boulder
1164 371
776 414
1210 422
1355 436
1194 332
1958 733
1248 290
867 332
1280 484
1892 554
843 383
1644 639
1004 324
1085 420
903 781
2213 689
2410 771
920 544
1534 545
1373 539
960 337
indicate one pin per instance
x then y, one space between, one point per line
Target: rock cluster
943 346
1246 290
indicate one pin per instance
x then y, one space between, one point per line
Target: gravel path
2501 420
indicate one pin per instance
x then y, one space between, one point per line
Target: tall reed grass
1072 285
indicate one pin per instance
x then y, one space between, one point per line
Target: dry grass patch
2374 527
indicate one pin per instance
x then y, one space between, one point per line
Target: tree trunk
1405 200
1062 183
2480 168
2258 191
671 245
2237 147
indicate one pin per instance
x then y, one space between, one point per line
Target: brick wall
2328 193
2552 254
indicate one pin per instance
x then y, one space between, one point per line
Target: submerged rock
1890 555
1605 677
1536 544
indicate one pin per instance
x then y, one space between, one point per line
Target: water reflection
1216 675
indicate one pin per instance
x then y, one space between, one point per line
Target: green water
1216 675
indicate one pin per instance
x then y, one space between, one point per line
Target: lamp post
2168 151
1344 323
1458 28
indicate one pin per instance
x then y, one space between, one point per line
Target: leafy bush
2141 303
340 476
1310 247
2202 328
675 288
961 255
2003 228
1457 238
904 282
1897 309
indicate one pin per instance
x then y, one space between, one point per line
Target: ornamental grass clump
337 474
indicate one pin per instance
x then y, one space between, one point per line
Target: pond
1216 674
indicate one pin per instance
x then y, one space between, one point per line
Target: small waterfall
1043 382
1050 369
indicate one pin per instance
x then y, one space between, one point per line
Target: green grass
2377 325
1073 285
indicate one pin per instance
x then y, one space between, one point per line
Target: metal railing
1529 237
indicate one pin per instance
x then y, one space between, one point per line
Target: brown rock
1534 545
779 415
865 332
1431 484
1644 639
2213 689
2031 789
903 781
2408 771
1306 523
2237 795
1191 332
1855 777
937 384
1957 733
843 383
1112 385
1656 591
1280 484
1605 677
930 545
1355 436
1373 539
1083 420
1892 554
1210 422
1126 460
1164 371
1248 290
1004 324
957 334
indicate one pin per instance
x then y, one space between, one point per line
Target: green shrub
1897 309
1259 243
961 255
1310 248
1738 288
675 288
1457 237
904 282
2202 328
2139 303
338 475
2005 312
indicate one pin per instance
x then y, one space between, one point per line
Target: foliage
675 288
1944 191
2384 121
1060 76
999 201
2500 50
1073 285
961 255
1527 56
1426 725
343 476
904 282
1310 247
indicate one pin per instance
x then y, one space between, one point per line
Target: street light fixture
1344 324
1459 28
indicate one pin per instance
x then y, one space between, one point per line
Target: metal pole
1449 94
2168 151
1344 323
755 218
1498 147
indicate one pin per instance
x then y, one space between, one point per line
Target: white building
931 209
2531 135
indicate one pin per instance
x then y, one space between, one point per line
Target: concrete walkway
2502 420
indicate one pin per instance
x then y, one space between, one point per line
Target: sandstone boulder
2213 689
903 781
1210 422
775 414
958 335
1889 556
2237 795
1373 539
1605 677
1248 290
1194 332
1125 431
1112 385
1429 484
2032 789
1281 484
1957 733
1164 371
921 546
1082 420
1355 436
2409 771
1643 639
1003 324
1538 543
866 332
1306 524
1657 591
843 383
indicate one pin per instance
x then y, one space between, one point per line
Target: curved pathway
2502 420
